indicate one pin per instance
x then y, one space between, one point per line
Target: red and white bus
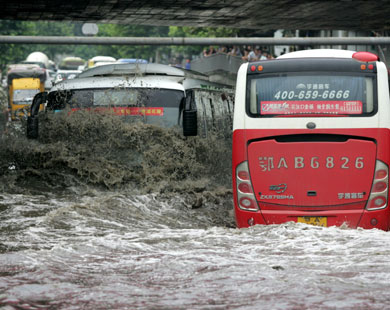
311 140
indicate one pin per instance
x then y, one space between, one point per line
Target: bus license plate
313 220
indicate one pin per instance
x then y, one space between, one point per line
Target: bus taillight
365 56
377 203
246 198
380 186
245 188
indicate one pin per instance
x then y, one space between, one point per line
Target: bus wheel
190 123
32 127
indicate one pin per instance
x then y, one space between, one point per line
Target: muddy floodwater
100 214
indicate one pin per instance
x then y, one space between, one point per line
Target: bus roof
319 53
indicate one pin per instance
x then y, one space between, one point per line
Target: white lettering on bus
359 163
314 162
266 163
265 197
346 161
299 164
350 195
282 163
329 162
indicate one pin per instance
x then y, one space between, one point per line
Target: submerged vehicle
209 106
24 82
150 93
311 135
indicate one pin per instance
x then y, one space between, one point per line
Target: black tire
32 127
190 123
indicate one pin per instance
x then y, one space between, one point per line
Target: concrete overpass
250 14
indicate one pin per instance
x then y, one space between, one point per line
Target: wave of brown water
100 150
100 214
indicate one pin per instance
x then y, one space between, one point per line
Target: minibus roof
123 69
119 82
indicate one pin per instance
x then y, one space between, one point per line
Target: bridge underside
249 14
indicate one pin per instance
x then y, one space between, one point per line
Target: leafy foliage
179 31
131 51
15 53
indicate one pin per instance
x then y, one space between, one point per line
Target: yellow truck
24 82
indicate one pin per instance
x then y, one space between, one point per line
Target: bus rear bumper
379 219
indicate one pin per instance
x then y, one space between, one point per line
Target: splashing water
98 149
104 214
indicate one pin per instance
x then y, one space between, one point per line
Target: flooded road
135 217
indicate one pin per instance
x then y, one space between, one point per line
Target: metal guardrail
193 41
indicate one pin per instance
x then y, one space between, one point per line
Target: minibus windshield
314 94
152 106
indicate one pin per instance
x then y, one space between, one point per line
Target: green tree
131 51
204 32
14 53
46 28
11 53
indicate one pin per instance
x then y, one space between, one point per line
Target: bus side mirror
32 120
190 123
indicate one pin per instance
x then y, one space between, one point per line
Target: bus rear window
311 94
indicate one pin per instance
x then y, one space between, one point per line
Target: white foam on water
119 251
